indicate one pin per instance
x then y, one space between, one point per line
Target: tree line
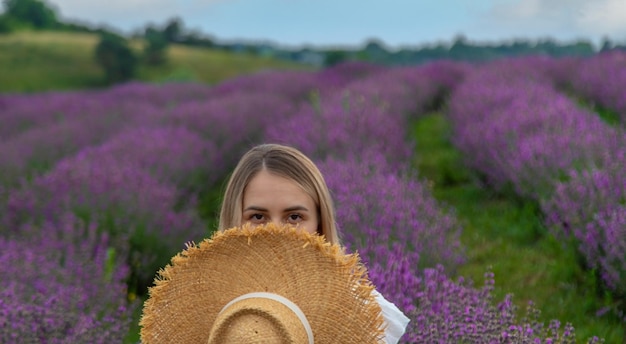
120 62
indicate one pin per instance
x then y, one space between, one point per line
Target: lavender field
100 188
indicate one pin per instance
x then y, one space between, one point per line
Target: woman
279 184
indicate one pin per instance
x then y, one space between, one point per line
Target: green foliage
6 24
209 202
116 58
32 12
173 30
156 47
178 75
335 57
38 61
609 116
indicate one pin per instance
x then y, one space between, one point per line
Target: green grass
44 61
133 333
609 116
506 234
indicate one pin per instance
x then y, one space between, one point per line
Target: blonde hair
286 162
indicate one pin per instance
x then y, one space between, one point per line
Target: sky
351 23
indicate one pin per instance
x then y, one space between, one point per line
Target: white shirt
395 320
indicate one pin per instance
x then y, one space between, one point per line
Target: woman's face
271 198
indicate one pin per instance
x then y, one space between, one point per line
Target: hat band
294 308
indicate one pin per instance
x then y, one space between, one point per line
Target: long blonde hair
286 162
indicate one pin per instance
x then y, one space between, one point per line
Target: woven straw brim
328 285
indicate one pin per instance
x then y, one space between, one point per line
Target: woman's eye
256 217
294 218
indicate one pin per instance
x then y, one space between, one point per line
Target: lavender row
602 80
233 122
520 131
21 112
34 151
589 210
122 199
457 312
61 293
587 205
38 130
368 114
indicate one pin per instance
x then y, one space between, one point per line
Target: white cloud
604 17
127 14
563 18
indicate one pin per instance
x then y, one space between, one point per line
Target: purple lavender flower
523 133
602 79
344 126
611 225
233 122
62 285
336 77
402 91
124 200
159 95
587 209
450 311
294 86
379 211
176 156
38 149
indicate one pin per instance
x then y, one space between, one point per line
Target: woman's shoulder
395 321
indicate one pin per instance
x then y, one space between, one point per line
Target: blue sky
397 23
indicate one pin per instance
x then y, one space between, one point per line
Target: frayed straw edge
348 262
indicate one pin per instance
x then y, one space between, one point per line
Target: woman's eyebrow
255 208
296 207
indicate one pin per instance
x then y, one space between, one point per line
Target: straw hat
265 284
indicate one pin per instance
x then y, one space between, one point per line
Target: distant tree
32 12
548 46
463 49
196 38
116 58
334 57
374 44
156 46
618 46
173 30
374 51
583 47
6 24
460 42
606 44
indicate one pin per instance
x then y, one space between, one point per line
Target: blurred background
62 44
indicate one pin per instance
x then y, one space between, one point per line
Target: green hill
43 61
